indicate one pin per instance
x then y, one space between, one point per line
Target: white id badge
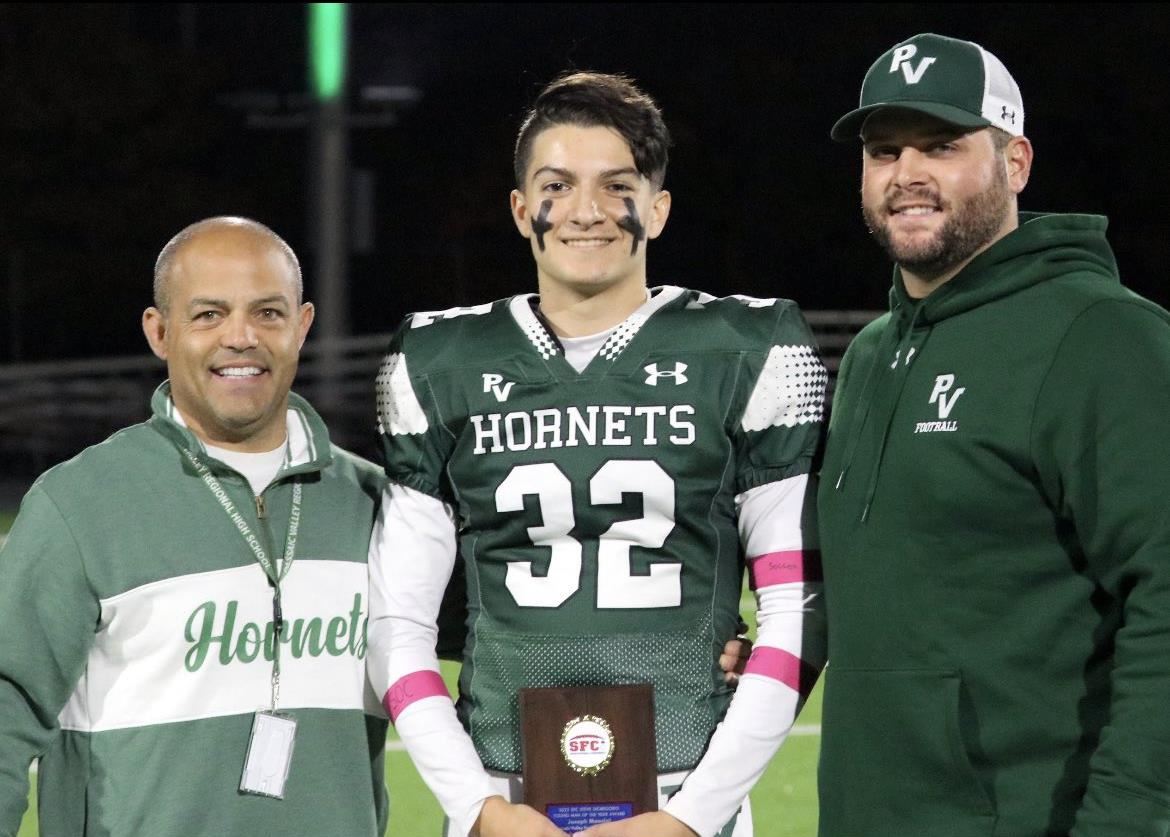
269 756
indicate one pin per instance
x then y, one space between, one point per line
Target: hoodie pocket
893 758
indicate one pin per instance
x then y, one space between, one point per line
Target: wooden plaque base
575 798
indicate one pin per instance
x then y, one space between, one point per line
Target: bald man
183 607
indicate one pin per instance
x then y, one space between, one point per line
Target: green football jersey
596 509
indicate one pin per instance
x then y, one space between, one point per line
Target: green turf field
783 803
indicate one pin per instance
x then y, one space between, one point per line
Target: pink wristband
777 664
784 568
410 688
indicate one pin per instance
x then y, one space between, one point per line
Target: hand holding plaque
500 818
589 753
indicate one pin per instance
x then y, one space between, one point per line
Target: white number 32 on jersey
616 586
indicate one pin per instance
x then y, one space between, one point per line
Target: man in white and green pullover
995 531
174 599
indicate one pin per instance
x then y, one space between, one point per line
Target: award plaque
589 753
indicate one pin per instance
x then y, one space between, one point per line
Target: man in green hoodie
996 543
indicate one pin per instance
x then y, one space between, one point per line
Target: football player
604 458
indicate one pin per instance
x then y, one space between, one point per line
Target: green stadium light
327 48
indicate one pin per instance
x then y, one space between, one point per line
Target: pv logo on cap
901 59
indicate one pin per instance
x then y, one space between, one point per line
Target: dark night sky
120 130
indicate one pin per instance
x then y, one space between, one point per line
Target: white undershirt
259 469
580 350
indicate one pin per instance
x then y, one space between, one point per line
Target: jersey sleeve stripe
784 568
411 688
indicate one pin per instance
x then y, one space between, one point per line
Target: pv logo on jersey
494 384
653 373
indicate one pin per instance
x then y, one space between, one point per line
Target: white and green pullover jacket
137 645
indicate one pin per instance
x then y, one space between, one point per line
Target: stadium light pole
340 205
328 61
15 305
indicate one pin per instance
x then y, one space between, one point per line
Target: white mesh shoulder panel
399 412
790 390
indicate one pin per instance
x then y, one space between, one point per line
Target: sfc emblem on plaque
587 744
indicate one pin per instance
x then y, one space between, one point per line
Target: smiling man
601 456
996 542
183 606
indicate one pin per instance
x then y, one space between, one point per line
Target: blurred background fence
50 411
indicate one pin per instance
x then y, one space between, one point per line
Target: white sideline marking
397 746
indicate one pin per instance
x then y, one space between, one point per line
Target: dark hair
590 99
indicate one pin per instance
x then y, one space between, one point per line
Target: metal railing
51 411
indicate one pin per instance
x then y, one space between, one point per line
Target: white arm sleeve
789 639
412 554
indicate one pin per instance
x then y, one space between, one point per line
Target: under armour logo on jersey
653 373
901 59
943 385
491 383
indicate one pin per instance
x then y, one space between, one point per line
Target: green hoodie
137 641
997 554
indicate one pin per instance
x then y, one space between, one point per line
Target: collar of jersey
522 308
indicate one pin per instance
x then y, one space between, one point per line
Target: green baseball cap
957 81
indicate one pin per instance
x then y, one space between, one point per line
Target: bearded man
995 541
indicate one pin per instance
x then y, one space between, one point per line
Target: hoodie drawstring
902 357
889 337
